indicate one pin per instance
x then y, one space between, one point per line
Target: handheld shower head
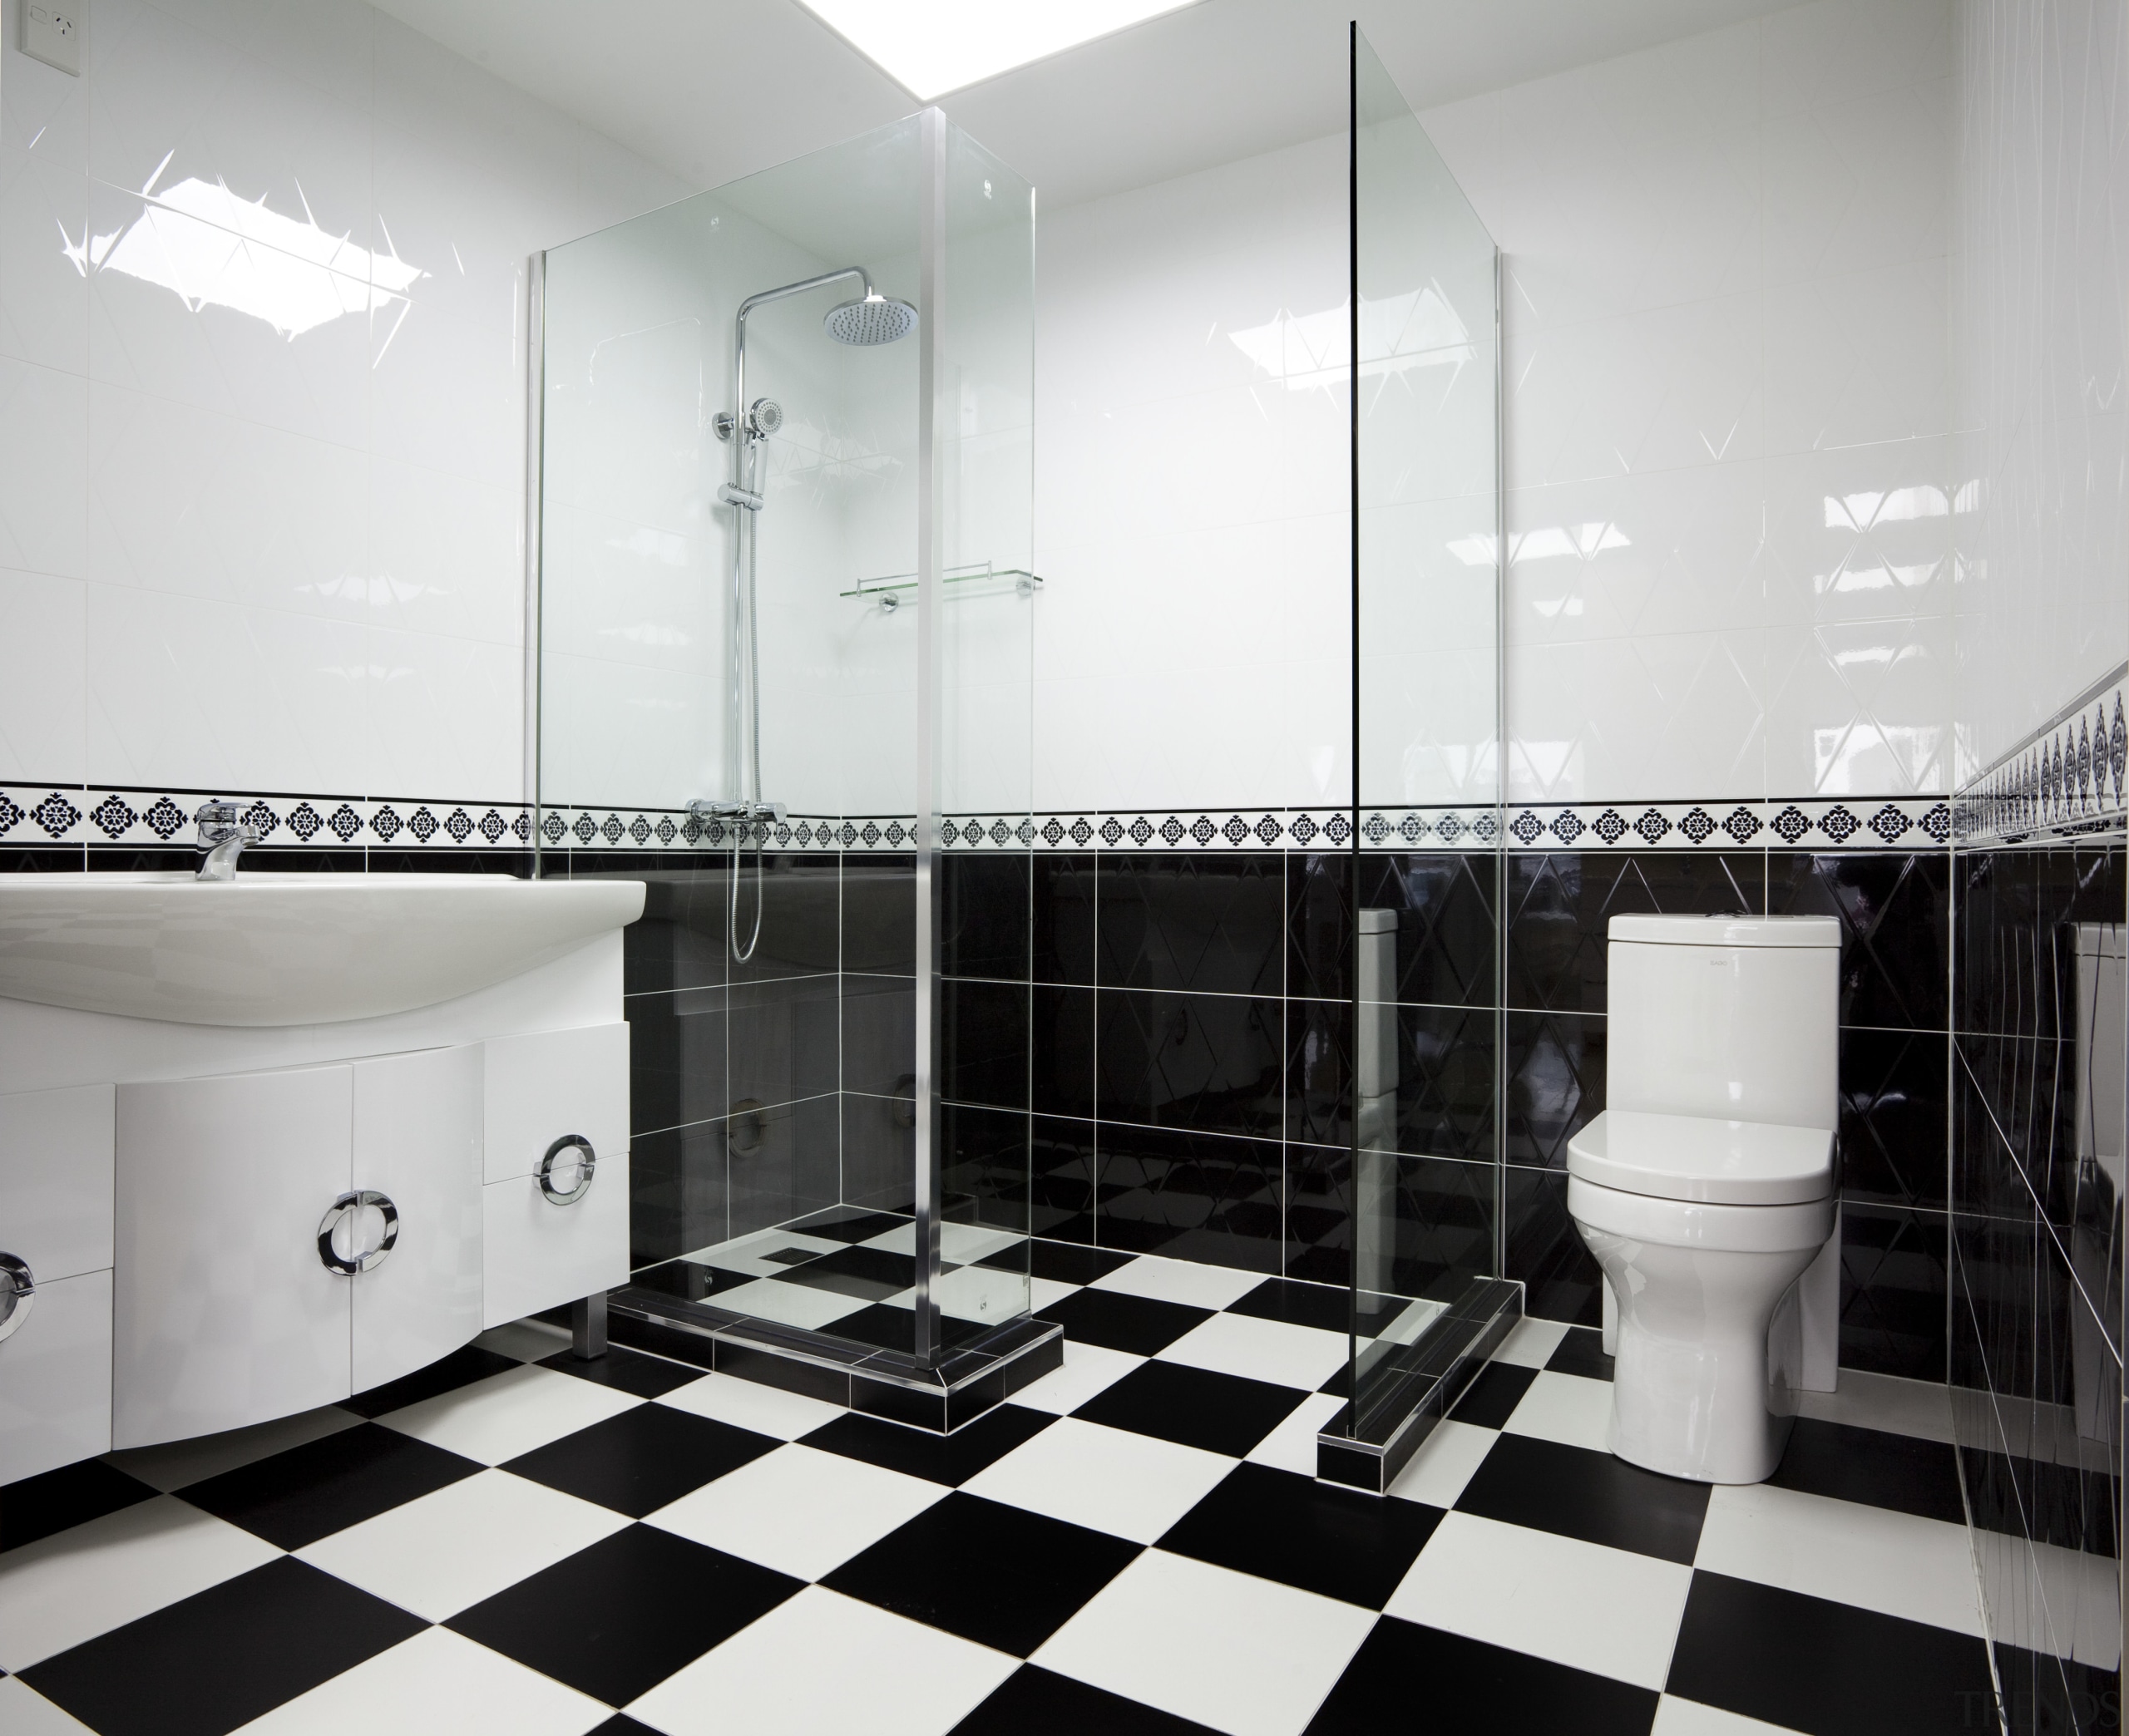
874 318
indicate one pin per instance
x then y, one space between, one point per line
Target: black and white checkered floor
514 1541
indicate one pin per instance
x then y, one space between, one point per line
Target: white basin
287 949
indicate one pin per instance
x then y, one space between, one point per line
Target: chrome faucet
222 836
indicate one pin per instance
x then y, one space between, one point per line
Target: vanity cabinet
55 1278
217 1251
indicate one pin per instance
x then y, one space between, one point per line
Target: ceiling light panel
933 47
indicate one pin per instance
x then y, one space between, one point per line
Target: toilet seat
1645 1218
1691 1159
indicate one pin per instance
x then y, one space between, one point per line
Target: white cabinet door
224 1313
418 1141
55 1179
55 1378
542 1086
540 1255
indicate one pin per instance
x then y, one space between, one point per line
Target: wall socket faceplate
52 32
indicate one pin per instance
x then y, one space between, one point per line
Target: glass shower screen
783 675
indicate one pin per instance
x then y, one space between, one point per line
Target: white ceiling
711 90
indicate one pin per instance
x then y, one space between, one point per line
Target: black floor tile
1323 1306
997 1575
218 1660
884 1327
55 1501
621 1724
1594 1496
643 1459
325 1485
464 1366
1875 1468
1405 1678
1582 1352
1336 1542
1034 1702
840 1223
2045 1696
1220 1412
1117 1322
872 1275
1061 1262
949 1459
1828 1668
1491 1400
625 1371
615 1620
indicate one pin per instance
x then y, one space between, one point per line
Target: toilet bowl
1717 1221
1706 1188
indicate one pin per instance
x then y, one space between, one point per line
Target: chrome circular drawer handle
17 1291
570 1148
343 1209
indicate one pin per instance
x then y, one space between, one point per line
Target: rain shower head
876 318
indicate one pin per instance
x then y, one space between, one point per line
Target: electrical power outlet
52 32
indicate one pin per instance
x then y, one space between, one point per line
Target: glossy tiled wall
262 451
2037 1299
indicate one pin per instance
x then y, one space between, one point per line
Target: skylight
933 46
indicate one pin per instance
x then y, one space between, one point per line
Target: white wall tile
41 700
44 301
44 419
444 717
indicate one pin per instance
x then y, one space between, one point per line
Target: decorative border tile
1860 822
46 815
2067 779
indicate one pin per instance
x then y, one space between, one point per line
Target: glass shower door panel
1425 865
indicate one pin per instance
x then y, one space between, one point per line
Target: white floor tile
1048 1292
801 1511
527 1340
1568 1409
506 1414
767 1410
1894 1563
1273 1350
1292 1446
445 1551
435 1684
822 1664
2049 1599
1606 1611
1088 1369
1242 1654
1446 1460
1864 1400
1180 1280
790 1304
60 1590
1531 1344
1107 1479
1677 1717
959 1244
749 1253
25 1712
172 1467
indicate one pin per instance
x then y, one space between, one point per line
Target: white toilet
1706 1189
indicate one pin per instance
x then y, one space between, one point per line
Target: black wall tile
1893 911
1064 918
1191 922
1546 1252
879 1151
1892 1290
1555 1084
879 1034
1893 1088
1319 1224
677 1064
1435 1218
879 915
783 1038
782 1162
985 914
677 1199
983 1040
1062 1165
799 898
1207 1062
1446 1083
984 1166
1319 1094
1320 925
1061 1043
1189 1196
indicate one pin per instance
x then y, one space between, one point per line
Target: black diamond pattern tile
997 1575
1490 1400
1592 1496
218 1660
1117 1321
1874 1469
642 1459
1323 1306
1036 1701
325 1485
461 1369
1314 1536
625 1371
950 1459
1219 1412
55 1501
615 1620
